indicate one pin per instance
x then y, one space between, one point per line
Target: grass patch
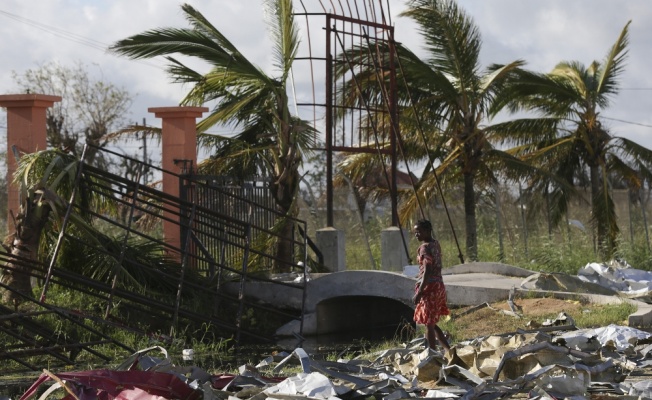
606 314
464 325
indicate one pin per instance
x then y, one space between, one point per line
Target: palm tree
41 176
271 142
569 139
445 98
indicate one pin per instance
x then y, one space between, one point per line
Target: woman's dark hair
424 224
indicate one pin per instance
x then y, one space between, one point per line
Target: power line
73 37
103 47
628 122
57 31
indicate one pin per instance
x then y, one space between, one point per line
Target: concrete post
179 148
393 256
331 243
26 129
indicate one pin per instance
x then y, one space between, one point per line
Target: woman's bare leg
431 336
434 334
441 338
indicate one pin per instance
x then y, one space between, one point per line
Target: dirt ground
470 322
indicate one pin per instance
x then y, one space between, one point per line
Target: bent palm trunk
284 192
23 245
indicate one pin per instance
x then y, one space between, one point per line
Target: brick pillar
26 129
179 142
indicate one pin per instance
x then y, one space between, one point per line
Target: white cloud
541 32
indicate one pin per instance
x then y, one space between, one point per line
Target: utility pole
144 147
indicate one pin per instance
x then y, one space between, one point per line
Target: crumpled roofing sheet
573 364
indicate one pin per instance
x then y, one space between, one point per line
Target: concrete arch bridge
349 300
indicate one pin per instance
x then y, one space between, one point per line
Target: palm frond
356 167
131 132
613 64
633 150
452 39
508 165
166 41
180 73
240 108
625 172
45 168
202 25
498 75
203 42
530 132
284 33
141 264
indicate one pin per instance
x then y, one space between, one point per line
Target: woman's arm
428 271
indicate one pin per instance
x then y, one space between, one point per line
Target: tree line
447 101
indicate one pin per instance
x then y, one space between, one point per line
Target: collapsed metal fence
33 338
194 289
224 193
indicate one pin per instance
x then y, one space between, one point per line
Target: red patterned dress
432 304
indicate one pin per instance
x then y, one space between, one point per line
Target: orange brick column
179 142
26 129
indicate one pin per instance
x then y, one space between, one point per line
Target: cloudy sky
541 32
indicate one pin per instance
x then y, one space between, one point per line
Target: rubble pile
555 360
566 363
615 278
620 277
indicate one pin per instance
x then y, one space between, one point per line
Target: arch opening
365 315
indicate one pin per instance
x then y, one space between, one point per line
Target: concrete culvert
361 313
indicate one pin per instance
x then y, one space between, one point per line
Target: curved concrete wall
490 267
360 283
467 284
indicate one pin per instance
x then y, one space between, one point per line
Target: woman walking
430 292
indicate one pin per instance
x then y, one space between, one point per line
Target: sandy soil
491 320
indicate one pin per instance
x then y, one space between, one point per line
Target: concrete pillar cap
28 100
178 111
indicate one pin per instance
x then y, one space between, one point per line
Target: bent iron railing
196 222
186 290
225 193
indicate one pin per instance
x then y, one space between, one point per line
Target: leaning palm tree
41 176
445 98
569 139
270 142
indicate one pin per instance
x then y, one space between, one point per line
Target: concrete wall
341 299
392 246
332 244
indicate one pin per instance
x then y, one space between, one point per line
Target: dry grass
466 324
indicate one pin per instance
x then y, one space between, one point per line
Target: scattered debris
560 282
573 364
562 319
621 278
551 360
513 307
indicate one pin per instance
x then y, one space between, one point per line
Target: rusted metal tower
370 126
